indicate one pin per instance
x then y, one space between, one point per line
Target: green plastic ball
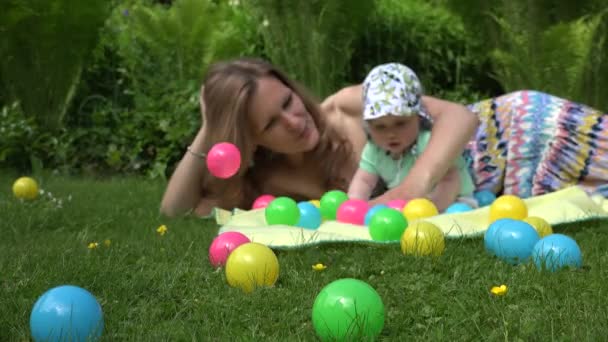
282 210
348 310
330 202
387 225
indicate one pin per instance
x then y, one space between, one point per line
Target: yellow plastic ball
25 188
543 228
422 238
508 206
252 265
419 208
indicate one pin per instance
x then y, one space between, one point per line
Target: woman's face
394 133
279 120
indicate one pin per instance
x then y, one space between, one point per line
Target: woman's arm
362 185
447 190
453 127
184 192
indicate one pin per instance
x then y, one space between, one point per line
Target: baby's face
394 133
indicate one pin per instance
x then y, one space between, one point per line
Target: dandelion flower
319 267
161 230
93 245
499 290
107 242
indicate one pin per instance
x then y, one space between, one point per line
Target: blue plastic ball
458 207
556 251
310 216
484 197
66 313
515 241
372 211
489 238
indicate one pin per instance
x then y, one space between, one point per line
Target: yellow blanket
564 206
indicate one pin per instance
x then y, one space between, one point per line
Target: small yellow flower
161 230
499 290
107 242
319 267
93 245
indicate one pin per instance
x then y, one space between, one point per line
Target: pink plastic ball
223 245
262 201
397 204
224 160
352 211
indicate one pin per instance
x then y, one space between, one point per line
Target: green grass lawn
162 288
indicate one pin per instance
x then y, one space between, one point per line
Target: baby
398 131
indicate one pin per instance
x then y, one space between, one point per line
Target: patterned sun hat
392 89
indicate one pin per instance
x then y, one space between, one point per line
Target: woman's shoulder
343 111
347 101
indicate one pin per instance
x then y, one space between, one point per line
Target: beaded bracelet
200 155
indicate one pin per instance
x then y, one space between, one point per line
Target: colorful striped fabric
531 143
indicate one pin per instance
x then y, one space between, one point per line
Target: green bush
17 132
138 108
432 41
25 145
554 60
129 141
548 45
162 47
311 40
44 46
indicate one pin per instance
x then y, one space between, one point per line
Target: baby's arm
362 185
447 190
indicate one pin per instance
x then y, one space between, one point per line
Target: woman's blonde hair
225 102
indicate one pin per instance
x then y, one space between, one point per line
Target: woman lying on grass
524 143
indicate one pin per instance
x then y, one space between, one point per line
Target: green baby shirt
376 161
